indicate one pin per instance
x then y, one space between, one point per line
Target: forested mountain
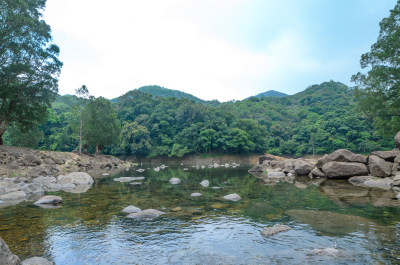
270 93
157 91
318 120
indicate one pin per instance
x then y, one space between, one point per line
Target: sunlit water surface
362 224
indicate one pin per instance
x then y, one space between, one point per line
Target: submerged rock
232 197
269 231
49 199
146 214
37 261
131 209
196 194
326 251
176 209
6 256
205 183
174 181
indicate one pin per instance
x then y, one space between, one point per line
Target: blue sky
226 49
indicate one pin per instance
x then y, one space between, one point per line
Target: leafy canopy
29 67
378 90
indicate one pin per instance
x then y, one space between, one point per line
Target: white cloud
114 47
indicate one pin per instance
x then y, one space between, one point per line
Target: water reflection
91 229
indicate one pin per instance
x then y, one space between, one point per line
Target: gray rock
232 197
31 160
321 161
260 168
69 186
124 179
136 183
196 194
397 159
33 188
13 196
53 187
6 256
131 209
326 251
138 178
344 169
174 181
7 186
58 161
146 214
205 183
359 180
45 181
37 261
81 178
302 168
396 180
317 173
49 199
341 155
13 165
262 158
387 155
276 174
269 231
397 140
382 183
379 167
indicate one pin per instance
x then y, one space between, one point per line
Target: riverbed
333 222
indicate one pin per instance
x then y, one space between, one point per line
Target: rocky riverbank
26 174
380 169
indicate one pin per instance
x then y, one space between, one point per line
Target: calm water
363 225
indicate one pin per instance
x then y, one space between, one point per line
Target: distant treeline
318 120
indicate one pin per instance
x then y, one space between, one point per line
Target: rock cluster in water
278 228
380 169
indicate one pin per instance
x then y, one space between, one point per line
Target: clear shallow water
362 224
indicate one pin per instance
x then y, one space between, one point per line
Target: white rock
232 197
269 231
131 209
49 199
205 183
174 181
196 194
37 261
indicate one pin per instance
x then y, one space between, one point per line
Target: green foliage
29 66
30 138
135 139
101 126
378 91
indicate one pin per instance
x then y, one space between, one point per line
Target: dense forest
318 120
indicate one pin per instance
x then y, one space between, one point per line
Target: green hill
270 93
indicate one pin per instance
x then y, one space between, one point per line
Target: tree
135 139
378 91
29 67
83 94
101 126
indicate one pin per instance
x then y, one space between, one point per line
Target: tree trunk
1 139
3 129
80 138
97 149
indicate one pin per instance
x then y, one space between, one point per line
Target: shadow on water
363 224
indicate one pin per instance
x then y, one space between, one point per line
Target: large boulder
76 178
341 155
131 209
378 167
397 140
262 158
387 155
302 168
344 169
6 256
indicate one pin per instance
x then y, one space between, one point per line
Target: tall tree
101 126
83 94
378 91
135 139
29 65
